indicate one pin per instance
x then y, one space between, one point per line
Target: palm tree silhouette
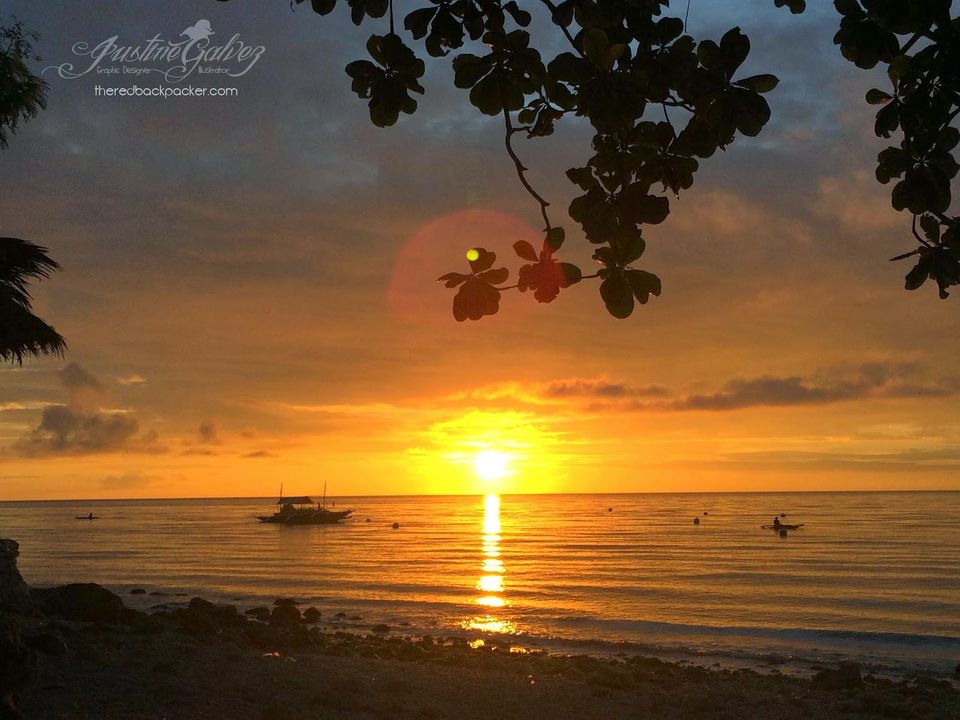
22 93
22 333
22 96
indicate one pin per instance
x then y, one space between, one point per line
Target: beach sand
212 662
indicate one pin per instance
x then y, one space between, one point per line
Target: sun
491 464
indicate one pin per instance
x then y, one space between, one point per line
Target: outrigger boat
304 511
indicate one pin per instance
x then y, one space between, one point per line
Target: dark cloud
835 384
912 459
198 451
75 377
81 427
260 454
127 480
64 431
742 393
85 390
208 432
599 389
872 380
868 380
575 388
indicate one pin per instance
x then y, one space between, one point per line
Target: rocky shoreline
77 652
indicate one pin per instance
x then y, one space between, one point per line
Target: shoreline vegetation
76 652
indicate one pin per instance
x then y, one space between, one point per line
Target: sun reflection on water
491 583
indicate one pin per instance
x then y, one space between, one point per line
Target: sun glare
491 464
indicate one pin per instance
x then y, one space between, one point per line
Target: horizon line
512 494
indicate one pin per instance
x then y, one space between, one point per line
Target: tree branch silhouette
627 58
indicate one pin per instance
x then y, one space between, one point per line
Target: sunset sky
249 288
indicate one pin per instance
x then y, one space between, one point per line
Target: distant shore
97 658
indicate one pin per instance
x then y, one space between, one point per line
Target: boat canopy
302 500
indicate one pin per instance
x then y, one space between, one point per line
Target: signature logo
193 51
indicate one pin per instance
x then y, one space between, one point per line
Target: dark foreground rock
14 593
17 667
285 616
260 613
202 617
87 602
845 677
255 670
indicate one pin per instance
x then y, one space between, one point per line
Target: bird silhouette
200 31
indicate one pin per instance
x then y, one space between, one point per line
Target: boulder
285 616
204 617
14 593
225 613
260 613
141 622
311 615
87 602
138 591
846 677
288 602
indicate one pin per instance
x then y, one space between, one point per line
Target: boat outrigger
304 511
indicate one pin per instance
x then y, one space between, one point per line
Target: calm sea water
873 576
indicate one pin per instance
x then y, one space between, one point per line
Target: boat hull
306 517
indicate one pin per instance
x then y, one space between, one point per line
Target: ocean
873 577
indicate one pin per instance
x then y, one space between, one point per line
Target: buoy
696 521
396 526
783 514
705 512
368 519
783 532
609 509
